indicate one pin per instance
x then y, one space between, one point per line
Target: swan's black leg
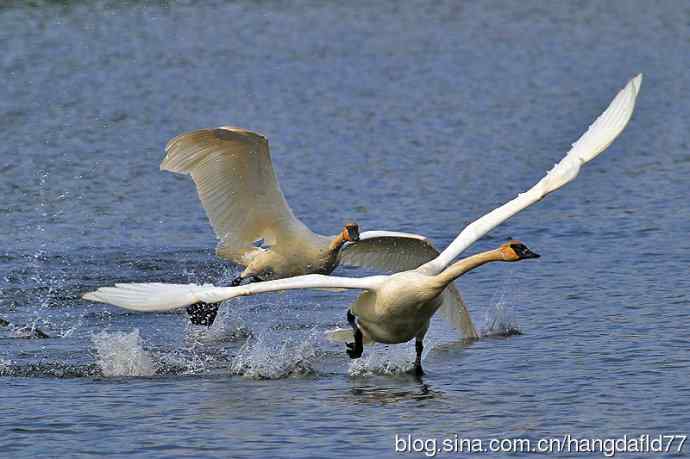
354 350
419 347
202 313
205 313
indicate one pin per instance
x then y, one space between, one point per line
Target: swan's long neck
468 264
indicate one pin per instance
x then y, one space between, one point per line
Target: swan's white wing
388 251
599 136
166 297
237 185
150 296
454 310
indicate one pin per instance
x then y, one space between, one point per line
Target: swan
396 308
239 190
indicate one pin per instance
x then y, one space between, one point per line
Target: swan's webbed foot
355 350
202 313
419 347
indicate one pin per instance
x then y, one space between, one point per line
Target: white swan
238 188
397 307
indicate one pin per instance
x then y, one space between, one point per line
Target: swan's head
351 232
514 250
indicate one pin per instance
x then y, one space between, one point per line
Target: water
410 117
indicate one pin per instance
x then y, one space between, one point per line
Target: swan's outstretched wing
234 177
388 251
166 297
599 136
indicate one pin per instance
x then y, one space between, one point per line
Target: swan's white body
397 307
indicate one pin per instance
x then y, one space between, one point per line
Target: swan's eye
520 249
517 247
523 252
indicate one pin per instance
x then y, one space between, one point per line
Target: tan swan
239 190
396 308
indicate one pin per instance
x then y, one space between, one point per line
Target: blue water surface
409 116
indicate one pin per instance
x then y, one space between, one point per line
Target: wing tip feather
90 296
176 159
636 82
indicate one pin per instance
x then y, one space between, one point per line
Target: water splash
67 333
5 367
224 329
258 359
28 332
394 361
123 354
186 362
500 319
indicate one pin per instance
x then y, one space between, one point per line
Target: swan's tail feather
150 297
345 335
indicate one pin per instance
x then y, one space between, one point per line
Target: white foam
123 354
188 364
499 317
377 360
224 328
500 320
259 359
70 331
4 366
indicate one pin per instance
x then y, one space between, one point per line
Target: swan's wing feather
599 136
388 251
237 185
149 297
455 311
166 297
